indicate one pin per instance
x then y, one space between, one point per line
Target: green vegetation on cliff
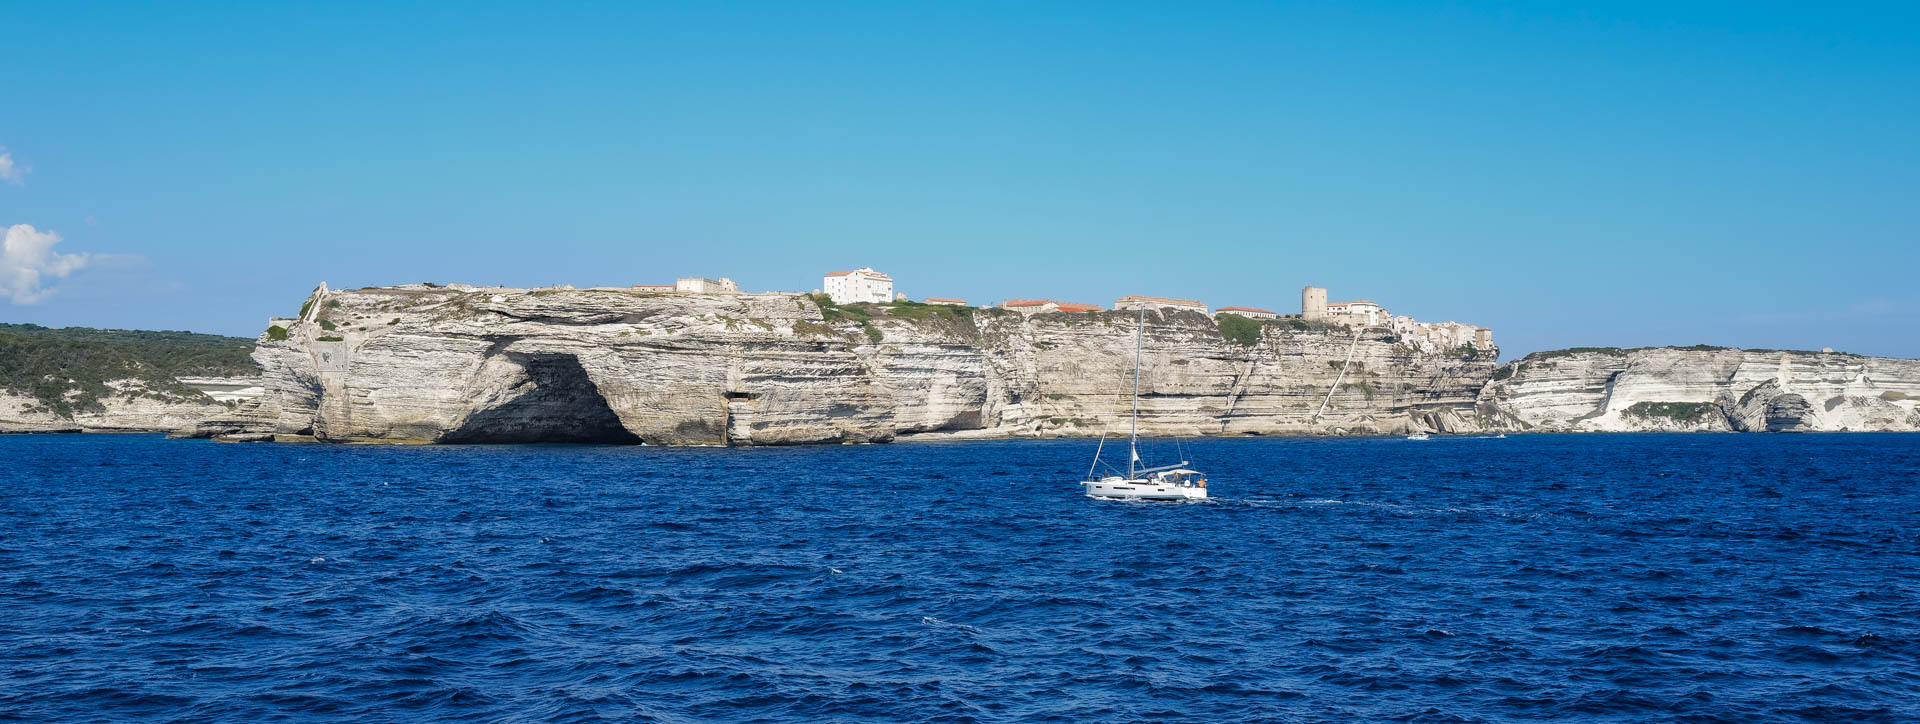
920 310
1571 351
1622 351
833 312
1300 325
1684 412
66 370
1239 330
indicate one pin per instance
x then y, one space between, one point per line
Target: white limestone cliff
1704 389
424 364
134 406
465 364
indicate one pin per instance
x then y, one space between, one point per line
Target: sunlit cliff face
500 365
1708 389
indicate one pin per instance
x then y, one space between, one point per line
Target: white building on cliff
1031 307
860 285
1357 312
1429 337
1135 301
1248 312
691 284
701 284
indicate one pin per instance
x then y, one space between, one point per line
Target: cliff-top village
866 285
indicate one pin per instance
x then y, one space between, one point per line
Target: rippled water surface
1625 577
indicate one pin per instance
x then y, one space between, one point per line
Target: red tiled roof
1163 300
1071 307
1025 302
1244 309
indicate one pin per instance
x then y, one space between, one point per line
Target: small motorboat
1417 436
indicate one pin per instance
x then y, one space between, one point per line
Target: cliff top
1624 351
355 316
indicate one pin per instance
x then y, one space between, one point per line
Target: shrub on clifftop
833 312
1239 330
907 309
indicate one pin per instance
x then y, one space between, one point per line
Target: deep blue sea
1604 577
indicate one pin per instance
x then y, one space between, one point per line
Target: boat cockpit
1181 477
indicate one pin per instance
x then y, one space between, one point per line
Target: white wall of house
1133 302
860 285
700 284
1248 313
1366 313
1043 307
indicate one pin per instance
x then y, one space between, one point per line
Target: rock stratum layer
134 408
1703 389
446 365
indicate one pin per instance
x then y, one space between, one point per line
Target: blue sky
1601 174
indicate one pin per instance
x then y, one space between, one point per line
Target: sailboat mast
1133 438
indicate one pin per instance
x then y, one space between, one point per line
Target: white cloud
27 261
11 172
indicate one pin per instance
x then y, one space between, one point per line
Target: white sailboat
1167 482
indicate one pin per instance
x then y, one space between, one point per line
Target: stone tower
1483 339
1313 303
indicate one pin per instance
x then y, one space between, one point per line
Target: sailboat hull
1117 489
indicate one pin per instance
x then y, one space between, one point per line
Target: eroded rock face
19 413
420 364
546 398
1705 389
133 407
1078 369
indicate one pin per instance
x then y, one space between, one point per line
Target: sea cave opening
555 402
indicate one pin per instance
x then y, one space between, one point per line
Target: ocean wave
1573 577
